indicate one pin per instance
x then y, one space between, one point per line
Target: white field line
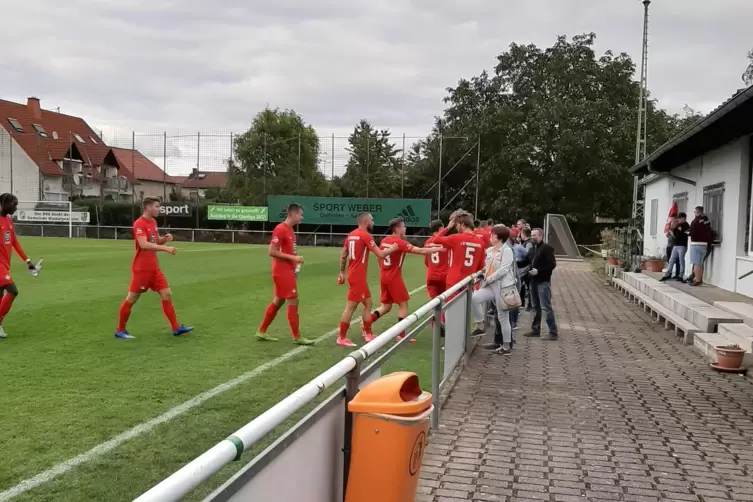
149 425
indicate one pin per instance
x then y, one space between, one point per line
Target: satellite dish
54 135
77 178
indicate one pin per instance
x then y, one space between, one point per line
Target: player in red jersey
483 230
466 250
393 290
145 271
355 255
8 206
285 267
436 263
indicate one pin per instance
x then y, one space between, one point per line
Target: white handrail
190 476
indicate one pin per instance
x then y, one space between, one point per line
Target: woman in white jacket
499 275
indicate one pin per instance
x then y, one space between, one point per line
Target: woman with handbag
498 285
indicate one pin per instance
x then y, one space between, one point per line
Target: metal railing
230 236
327 471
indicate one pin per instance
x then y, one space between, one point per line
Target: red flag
672 214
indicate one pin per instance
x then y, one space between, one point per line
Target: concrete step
741 309
706 317
706 344
738 333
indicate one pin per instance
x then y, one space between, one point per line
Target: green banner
237 213
345 211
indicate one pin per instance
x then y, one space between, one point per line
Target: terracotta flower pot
655 265
729 357
612 260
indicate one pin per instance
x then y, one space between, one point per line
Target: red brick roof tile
61 133
135 166
206 179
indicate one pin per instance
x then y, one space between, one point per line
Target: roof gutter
652 175
705 122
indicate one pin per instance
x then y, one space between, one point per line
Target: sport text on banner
345 211
53 216
237 213
175 209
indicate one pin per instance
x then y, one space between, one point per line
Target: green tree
277 155
557 129
373 168
748 73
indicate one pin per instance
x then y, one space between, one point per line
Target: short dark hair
476 223
436 225
682 215
394 223
293 208
149 201
502 232
489 222
361 216
464 218
699 208
7 197
525 232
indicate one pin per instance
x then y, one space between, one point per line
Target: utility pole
640 137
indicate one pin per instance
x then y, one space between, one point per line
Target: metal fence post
352 382
436 340
468 316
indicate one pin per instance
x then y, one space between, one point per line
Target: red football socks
367 326
269 316
293 321
344 329
123 314
374 316
169 311
5 304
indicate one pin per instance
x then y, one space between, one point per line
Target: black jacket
541 257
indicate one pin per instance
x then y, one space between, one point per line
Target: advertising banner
53 216
345 211
237 213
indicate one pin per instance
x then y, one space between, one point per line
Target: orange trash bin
390 425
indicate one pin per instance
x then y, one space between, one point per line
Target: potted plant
729 356
654 262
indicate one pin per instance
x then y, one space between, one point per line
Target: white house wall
728 165
23 181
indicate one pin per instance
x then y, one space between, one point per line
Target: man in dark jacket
543 263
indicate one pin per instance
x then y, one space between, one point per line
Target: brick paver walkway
617 409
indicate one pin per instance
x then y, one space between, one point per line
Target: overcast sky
189 65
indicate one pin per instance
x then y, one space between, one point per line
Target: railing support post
436 378
352 382
468 317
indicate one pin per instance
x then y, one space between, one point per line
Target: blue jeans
541 298
677 260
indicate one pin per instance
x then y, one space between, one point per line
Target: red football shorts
358 291
5 278
144 280
394 292
285 286
435 288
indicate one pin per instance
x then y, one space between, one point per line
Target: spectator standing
679 230
701 238
519 251
524 265
543 263
499 274
670 242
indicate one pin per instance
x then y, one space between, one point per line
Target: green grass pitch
67 385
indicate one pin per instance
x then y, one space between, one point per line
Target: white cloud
190 65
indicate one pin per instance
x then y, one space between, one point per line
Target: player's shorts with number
5 278
145 280
435 288
358 291
394 292
285 286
